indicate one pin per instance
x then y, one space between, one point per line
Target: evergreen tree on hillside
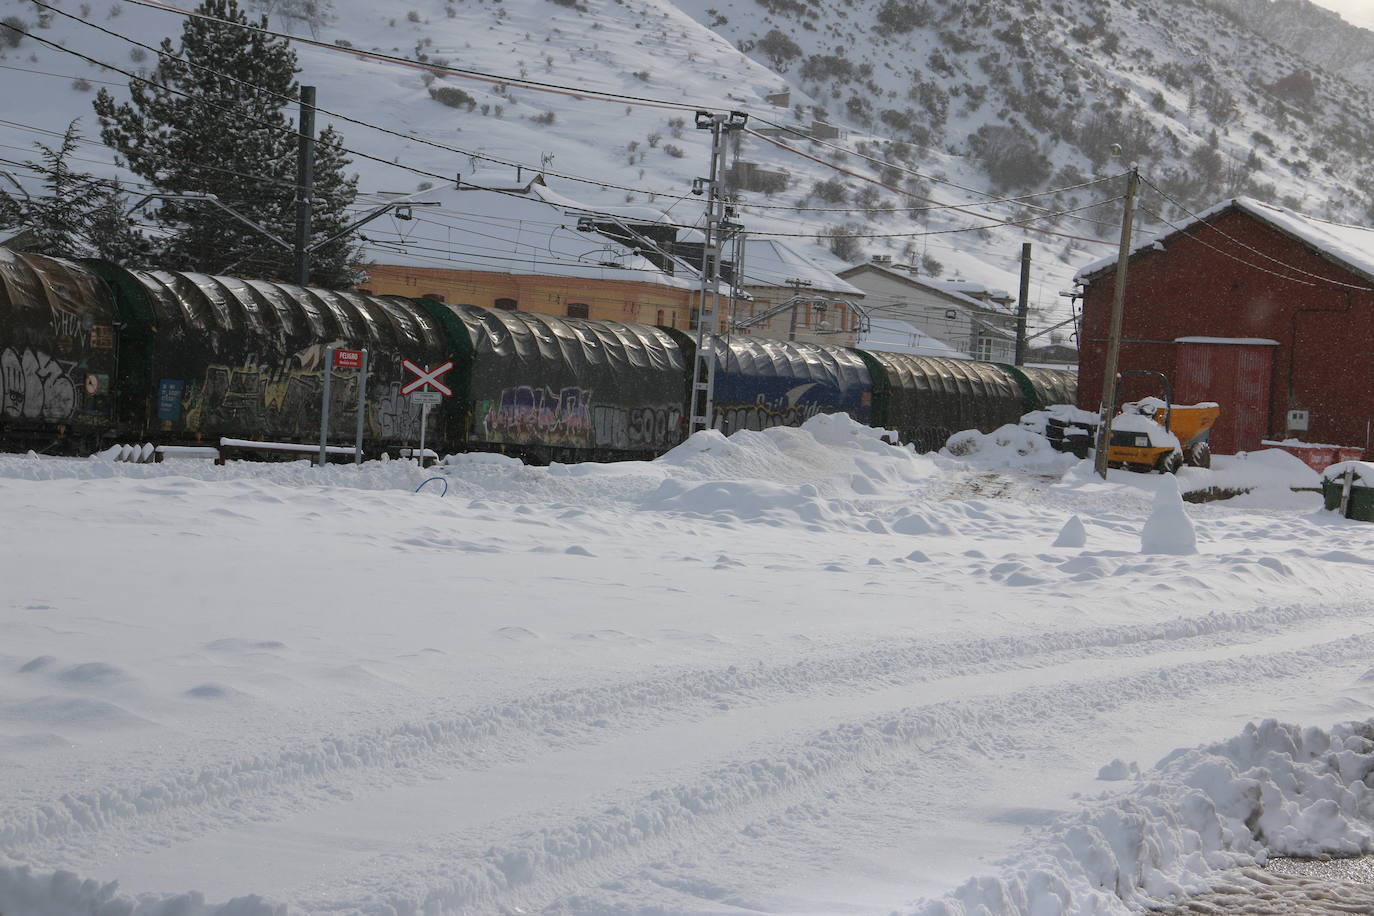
225 131
77 215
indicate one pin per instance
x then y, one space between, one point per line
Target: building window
984 348
435 297
508 305
659 319
578 310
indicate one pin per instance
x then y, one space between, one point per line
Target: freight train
93 354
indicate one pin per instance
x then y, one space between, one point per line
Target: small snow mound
1168 530
916 524
470 459
1073 534
1118 770
838 429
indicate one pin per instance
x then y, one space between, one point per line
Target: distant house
1264 310
968 318
1053 356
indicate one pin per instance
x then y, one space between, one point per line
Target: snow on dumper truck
1147 435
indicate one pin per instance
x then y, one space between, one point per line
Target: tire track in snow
541 868
191 802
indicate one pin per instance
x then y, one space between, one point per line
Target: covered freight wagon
1048 386
546 388
762 383
927 399
208 356
57 354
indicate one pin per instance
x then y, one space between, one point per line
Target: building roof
892 335
1350 246
960 292
769 262
510 226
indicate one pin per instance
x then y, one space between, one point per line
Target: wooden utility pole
1104 424
1023 306
305 183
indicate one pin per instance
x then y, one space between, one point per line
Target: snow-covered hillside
953 102
794 671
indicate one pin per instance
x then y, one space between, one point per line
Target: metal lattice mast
704 366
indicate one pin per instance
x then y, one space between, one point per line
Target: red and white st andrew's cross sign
426 378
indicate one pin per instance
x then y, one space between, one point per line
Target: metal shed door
1236 376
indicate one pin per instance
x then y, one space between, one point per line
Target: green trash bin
1359 501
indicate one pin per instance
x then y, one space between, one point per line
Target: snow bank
812 473
64 894
1009 447
1274 789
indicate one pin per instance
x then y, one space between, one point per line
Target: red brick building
1266 311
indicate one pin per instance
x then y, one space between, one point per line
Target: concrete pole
1023 306
1109 368
305 183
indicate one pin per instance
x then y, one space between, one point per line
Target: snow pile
62 893
1275 789
812 473
1009 447
1168 530
1267 478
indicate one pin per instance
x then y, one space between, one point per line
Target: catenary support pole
324 405
362 412
1023 305
716 234
305 183
1109 368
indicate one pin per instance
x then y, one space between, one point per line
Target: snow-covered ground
795 671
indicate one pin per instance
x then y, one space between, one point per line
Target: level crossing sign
425 379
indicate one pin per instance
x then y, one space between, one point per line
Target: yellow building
574 297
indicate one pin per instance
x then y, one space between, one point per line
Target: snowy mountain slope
1036 94
794 671
1316 34
999 100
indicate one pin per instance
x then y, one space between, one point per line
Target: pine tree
79 215
221 128
331 265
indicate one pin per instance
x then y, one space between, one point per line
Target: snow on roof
891 335
769 262
506 226
956 290
1352 246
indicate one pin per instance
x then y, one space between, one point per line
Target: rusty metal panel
1237 377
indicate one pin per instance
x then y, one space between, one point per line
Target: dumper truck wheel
1198 455
1170 463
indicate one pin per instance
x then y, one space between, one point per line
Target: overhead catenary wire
1025 223
542 86
509 163
930 206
